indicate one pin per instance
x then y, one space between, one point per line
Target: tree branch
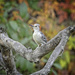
29 54
65 35
2 62
34 55
53 56
9 61
6 58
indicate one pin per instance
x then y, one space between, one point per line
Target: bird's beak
31 25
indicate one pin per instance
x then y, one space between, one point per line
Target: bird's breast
36 36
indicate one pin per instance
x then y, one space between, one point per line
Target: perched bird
38 36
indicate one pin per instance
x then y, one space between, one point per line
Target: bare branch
29 54
8 45
65 35
53 56
8 59
2 62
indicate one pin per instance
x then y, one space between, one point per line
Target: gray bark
57 44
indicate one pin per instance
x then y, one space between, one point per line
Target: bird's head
35 27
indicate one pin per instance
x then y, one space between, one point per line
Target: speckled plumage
38 36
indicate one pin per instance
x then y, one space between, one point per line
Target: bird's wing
43 37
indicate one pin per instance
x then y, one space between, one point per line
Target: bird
38 36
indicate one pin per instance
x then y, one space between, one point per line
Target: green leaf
24 64
33 44
14 36
33 4
62 63
24 30
55 73
26 40
71 42
29 66
21 32
18 62
13 25
26 17
23 10
57 65
7 4
21 62
67 57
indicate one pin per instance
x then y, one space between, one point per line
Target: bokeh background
53 16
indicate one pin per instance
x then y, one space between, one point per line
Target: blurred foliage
71 42
24 65
65 60
53 16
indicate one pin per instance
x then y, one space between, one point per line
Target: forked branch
57 44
